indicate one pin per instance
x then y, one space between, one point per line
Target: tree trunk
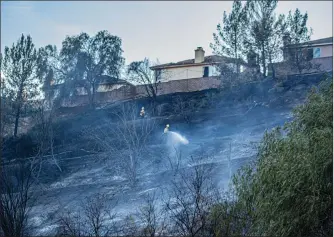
263 60
18 111
17 116
92 103
298 62
91 94
272 67
273 71
236 53
51 139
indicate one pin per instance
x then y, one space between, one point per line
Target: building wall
179 73
326 51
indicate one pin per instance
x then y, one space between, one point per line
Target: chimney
199 55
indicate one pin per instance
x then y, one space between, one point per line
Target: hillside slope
224 132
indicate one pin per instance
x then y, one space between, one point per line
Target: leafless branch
190 200
126 138
16 199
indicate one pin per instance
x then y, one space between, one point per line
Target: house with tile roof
318 53
200 66
320 48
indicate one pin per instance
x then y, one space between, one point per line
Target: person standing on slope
166 128
142 112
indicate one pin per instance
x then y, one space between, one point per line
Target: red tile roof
212 59
328 40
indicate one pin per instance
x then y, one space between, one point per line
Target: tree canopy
254 27
20 66
228 41
87 58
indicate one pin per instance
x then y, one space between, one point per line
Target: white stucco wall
179 73
326 51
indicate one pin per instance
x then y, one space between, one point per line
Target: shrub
288 190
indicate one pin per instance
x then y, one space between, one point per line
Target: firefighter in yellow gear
142 112
166 128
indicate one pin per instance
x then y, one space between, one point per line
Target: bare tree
44 137
126 138
16 198
184 108
92 220
154 220
130 227
141 73
97 211
174 159
70 224
190 201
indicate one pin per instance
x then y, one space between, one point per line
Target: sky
164 31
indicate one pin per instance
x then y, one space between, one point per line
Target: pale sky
168 31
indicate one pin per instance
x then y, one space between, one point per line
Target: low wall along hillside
134 92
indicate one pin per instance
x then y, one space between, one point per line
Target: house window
206 72
316 52
309 54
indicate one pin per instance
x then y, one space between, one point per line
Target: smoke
175 139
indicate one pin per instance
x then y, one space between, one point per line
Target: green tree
262 30
298 30
297 33
20 68
50 72
228 41
274 44
86 59
288 190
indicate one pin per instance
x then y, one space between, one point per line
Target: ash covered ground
225 135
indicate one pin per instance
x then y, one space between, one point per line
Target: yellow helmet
167 125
